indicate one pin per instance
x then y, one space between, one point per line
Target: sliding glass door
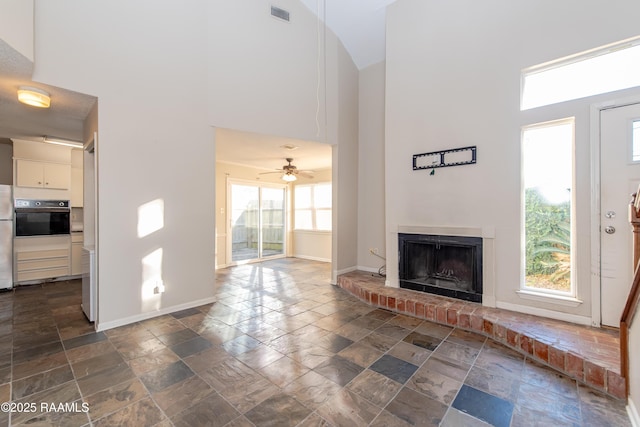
272 221
257 221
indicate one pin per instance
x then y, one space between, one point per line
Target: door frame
229 226
595 139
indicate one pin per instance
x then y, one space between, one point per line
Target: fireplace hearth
444 265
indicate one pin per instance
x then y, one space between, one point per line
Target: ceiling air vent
280 13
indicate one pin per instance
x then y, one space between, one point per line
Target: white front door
619 178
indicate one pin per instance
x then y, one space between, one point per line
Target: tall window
635 137
312 205
547 160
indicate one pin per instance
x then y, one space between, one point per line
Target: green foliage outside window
548 242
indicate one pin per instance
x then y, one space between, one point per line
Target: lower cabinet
41 264
41 257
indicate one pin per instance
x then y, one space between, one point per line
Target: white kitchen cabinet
76 253
36 174
41 264
41 257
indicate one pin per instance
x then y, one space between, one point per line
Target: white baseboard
103 326
311 258
367 269
632 410
488 301
346 270
572 318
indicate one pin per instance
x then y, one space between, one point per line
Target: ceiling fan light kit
289 177
34 97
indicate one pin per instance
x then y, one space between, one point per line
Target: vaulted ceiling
359 24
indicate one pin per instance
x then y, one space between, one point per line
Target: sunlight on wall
152 284
150 217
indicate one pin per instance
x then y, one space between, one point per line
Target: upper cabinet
43 175
41 166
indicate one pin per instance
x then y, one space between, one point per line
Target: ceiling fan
290 171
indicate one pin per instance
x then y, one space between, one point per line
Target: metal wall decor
444 158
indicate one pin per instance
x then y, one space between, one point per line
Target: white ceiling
269 152
63 120
359 24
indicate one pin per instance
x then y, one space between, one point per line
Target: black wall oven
42 217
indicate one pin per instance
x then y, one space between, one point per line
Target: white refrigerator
6 237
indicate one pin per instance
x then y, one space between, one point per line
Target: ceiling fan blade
264 173
306 174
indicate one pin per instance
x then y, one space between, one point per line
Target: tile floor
280 347
588 354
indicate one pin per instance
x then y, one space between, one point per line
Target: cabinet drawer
43 264
37 255
42 274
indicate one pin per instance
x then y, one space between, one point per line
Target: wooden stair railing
633 299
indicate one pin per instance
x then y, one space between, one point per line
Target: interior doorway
272 163
619 177
257 223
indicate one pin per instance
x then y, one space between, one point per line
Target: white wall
453 80
345 165
89 188
154 142
155 136
264 72
16 26
371 172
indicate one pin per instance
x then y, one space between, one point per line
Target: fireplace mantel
488 251
447 230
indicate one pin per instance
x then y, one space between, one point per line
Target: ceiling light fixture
34 97
60 141
289 177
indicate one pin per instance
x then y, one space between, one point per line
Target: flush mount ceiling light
289 176
34 97
60 141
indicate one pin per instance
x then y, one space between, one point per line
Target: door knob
609 229
610 214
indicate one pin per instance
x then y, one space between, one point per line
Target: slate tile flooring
280 347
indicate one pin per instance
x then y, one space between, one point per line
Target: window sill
549 298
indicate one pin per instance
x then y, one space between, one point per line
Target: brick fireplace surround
588 355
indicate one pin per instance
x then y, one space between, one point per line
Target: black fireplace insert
444 265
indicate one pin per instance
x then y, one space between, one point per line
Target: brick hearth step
586 354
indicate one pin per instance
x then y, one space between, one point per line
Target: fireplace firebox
444 265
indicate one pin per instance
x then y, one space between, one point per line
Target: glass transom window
601 70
